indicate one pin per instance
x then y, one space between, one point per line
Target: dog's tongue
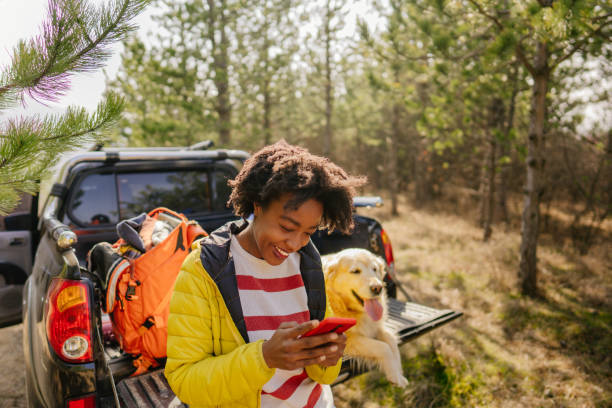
374 309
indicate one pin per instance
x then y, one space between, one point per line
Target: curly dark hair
282 168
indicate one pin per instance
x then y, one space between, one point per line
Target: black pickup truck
69 362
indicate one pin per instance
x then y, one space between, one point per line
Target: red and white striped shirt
270 295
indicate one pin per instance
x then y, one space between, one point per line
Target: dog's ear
330 265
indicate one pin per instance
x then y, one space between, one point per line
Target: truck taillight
84 402
69 320
388 252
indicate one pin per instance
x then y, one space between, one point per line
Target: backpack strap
117 268
194 232
155 319
155 212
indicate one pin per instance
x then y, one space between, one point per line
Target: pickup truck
88 194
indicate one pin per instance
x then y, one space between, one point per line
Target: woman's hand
334 354
288 351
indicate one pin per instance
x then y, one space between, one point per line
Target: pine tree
540 36
389 79
325 61
267 44
560 29
74 38
422 95
188 73
165 102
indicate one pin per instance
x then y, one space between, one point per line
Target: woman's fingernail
334 348
322 358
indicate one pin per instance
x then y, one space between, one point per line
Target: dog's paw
399 381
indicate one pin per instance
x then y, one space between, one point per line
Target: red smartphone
332 324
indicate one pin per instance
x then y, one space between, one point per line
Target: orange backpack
138 290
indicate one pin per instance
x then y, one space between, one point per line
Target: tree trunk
267 106
422 185
483 188
496 115
267 102
189 136
504 151
489 197
220 64
329 100
533 186
267 98
608 171
392 142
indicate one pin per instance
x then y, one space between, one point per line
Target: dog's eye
357 271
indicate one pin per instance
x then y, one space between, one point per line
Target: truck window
221 190
187 192
94 202
24 206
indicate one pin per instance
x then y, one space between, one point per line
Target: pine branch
520 53
42 67
491 17
581 43
30 145
75 38
105 116
32 138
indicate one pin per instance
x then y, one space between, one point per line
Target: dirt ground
12 381
507 350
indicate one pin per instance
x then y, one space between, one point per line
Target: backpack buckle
146 325
150 322
130 293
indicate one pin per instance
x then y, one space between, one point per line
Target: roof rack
203 145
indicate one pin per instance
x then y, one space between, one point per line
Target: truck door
15 259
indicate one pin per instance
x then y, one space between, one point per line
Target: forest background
440 96
464 108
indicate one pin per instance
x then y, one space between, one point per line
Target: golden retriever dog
354 287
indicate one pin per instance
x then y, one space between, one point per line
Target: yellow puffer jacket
209 364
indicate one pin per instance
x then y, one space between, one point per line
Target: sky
22 19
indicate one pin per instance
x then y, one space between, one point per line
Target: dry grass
507 350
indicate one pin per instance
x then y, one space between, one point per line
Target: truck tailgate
409 320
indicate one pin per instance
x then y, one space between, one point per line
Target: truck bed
409 320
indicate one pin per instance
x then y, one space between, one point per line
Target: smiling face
277 231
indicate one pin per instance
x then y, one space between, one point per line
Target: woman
247 292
